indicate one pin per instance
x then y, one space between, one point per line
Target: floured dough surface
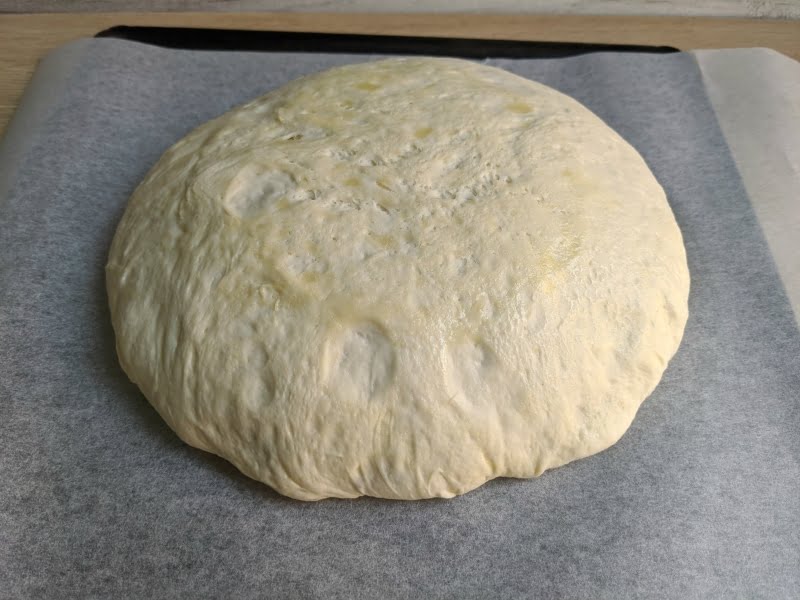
399 279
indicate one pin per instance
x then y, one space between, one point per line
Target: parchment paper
755 94
99 499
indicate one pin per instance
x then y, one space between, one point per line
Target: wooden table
24 39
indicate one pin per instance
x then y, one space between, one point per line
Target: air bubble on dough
358 361
251 191
469 365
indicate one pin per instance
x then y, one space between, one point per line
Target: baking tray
189 38
700 498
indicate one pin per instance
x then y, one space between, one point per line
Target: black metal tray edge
282 41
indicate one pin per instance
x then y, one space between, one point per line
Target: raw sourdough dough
399 279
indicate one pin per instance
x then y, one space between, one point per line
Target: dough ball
399 279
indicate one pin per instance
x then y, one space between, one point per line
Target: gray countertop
713 8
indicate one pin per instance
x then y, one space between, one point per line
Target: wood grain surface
24 38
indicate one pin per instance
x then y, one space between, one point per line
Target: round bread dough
399 279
